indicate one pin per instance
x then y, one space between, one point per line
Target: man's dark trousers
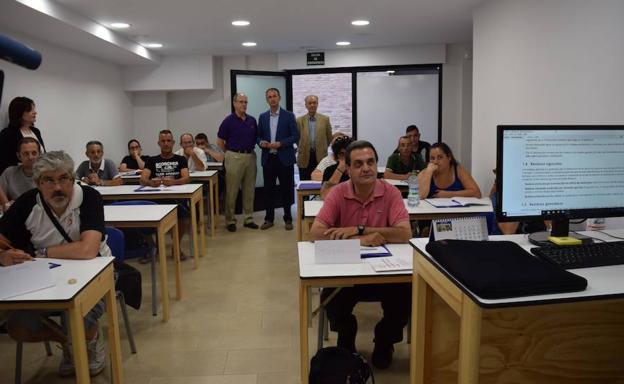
274 170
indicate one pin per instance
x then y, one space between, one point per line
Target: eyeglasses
62 181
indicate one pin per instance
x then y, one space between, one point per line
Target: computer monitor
559 172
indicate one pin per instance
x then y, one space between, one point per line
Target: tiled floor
236 324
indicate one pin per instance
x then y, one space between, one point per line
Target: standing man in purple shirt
237 137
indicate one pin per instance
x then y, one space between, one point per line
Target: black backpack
333 365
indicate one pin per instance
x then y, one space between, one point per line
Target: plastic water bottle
412 196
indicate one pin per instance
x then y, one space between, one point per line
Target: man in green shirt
400 164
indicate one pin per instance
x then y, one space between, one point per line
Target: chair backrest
134 202
115 241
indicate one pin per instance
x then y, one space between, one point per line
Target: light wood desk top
83 271
137 213
93 281
192 192
328 275
312 208
554 338
130 190
164 218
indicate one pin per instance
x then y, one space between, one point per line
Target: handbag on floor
334 365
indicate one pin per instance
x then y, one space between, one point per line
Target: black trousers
306 173
274 170
396 302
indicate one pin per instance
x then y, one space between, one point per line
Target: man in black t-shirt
169 169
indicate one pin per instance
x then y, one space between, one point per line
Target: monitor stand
559 228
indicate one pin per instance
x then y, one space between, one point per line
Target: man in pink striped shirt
371 210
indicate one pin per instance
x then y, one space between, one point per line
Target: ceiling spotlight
249 44
343 43
153 45
120 25
390 72
240 23
360 23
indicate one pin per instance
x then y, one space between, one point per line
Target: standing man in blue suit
277 132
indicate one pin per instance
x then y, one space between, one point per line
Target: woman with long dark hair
445 177
22 117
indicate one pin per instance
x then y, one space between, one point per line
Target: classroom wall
78 99
203 110
550 62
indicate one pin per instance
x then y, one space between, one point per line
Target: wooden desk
214 166
163 218
94 281
212 199
423 211
301 193
332 275
459 337
191 192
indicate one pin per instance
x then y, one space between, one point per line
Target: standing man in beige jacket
315 134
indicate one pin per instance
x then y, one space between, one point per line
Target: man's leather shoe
266 225
251 225
289 226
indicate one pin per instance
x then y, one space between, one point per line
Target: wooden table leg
469 342
162 257
175 238
194 235
303 332
420 306
216 194
211 207
299 216
81 360
202 228
114 345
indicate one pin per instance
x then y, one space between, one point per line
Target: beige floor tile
288 377
221 379
261 360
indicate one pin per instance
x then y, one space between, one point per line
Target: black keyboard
584 255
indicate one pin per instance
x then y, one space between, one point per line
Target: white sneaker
95 351
97 354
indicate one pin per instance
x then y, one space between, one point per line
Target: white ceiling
203 26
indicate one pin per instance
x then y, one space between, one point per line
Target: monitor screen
559 172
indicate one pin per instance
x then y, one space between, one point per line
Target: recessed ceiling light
360 23
343 43
240 23
120 25
153 45
390 72
249 44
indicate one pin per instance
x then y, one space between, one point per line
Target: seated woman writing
445 177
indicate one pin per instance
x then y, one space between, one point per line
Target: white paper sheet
387 264
27 277
337 251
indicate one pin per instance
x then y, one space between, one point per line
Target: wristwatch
360 229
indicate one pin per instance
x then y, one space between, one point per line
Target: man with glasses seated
28 229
